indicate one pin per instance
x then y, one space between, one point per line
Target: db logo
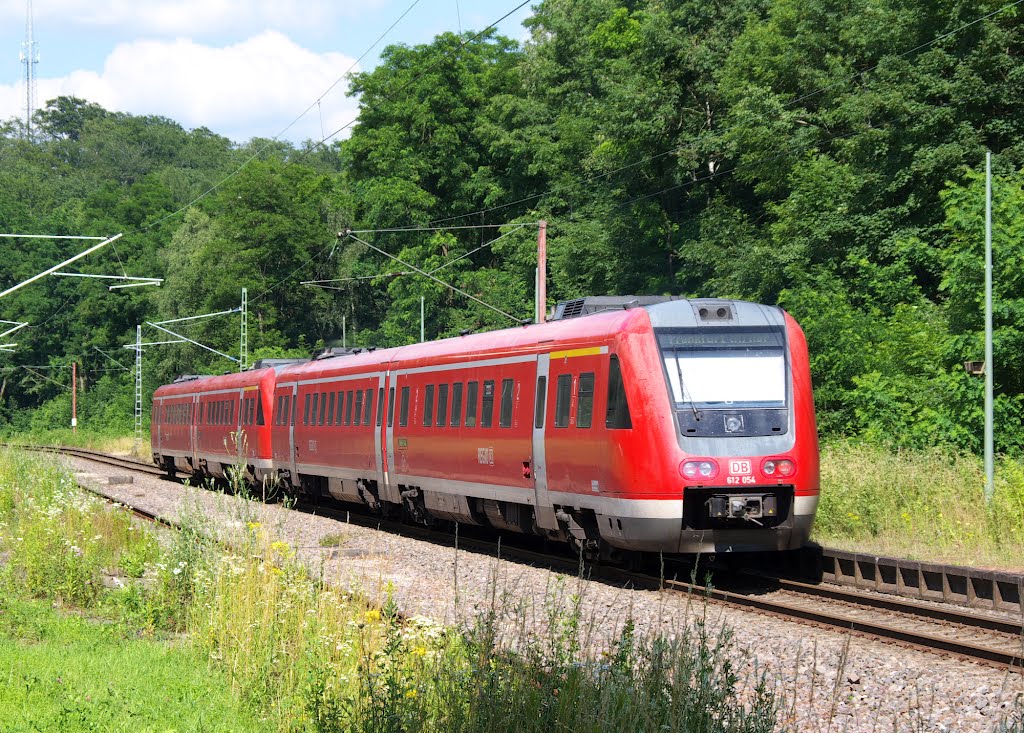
739 468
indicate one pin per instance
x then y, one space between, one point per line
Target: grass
115 443
66 673
255 635
189 620
926 505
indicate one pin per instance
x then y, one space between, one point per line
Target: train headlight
781 467
698 469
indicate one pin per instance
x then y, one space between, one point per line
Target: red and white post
542 271
74 397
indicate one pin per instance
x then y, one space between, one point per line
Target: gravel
826 680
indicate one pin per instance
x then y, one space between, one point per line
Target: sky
242 68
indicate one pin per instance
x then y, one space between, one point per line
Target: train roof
604 318
233 380
587 320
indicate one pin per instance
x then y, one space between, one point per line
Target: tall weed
926 504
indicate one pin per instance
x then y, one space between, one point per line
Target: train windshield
725 367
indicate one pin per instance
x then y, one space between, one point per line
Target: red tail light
778 467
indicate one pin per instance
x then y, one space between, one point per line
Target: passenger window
359 404
505 417
323 407
471 393
330 409
585 404
341 408
456 404
428 406
391 407
259 411
442 405
617 417
295 406
305 412
368 407
542 394
403 415
380 406
563 398
348 407
316 408
487 410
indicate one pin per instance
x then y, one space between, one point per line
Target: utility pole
989 381
542 271
74 397
422 322
29 57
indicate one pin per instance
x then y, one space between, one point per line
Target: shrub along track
936 627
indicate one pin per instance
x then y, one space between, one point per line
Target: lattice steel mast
29 57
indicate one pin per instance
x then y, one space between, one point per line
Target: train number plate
740 473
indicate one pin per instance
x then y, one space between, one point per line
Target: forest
825 156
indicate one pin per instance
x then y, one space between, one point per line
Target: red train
653 424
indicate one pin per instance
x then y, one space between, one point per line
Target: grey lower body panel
667 534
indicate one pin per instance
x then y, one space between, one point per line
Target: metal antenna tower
29 57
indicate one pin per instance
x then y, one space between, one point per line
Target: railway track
936 627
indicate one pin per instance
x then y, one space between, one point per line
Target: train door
389 492
545 512
293 451
193 431
380 448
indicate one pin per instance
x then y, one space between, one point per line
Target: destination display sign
731 339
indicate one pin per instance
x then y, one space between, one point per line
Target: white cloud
252 88
189 17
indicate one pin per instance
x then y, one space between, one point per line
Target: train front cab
721 454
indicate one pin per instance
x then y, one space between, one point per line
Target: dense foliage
826 156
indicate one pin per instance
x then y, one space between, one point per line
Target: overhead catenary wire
291 124
320 283
324 138
462 44
435 279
